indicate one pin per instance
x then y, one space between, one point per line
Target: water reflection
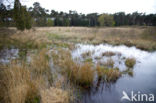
8 54
140 79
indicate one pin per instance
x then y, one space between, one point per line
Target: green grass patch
130 62
52 36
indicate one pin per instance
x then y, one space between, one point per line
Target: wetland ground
76 64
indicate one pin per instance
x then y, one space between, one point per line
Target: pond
6 55
142 82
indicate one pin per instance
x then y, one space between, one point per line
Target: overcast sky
100 6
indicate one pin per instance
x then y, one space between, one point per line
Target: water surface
143 80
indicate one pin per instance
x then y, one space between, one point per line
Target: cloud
100 6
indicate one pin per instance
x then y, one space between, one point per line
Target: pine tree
18 15
21 16
28 20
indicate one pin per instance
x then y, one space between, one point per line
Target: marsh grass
24 40
17 85
130 62
128 71
108 74
108 54
54 95
149 33
86 54
41 66
82 75
143 38
54 36
23 82
89 60
108 64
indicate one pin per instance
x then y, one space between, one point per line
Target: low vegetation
84 75
44 70
54 95
130 62
108 53
108 74
109 63
86 54
17 85
40 66
37 80
81 74
88 60
128 71
24 82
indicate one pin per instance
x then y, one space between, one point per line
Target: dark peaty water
142 82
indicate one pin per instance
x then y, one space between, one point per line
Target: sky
99 6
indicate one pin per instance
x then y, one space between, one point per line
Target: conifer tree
28 20
18 15
21 16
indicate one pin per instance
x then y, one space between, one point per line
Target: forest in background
41 17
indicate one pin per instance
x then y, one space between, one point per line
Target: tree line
23 17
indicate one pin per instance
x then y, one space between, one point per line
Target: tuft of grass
130 62
82 75
109 63
149 33
54 95
54 36
17 85
128 71
108 54
21 82
86 54
40 66
108 74
97 57
88 60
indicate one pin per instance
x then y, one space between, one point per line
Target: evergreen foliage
21 16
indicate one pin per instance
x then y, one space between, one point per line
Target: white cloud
100 6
